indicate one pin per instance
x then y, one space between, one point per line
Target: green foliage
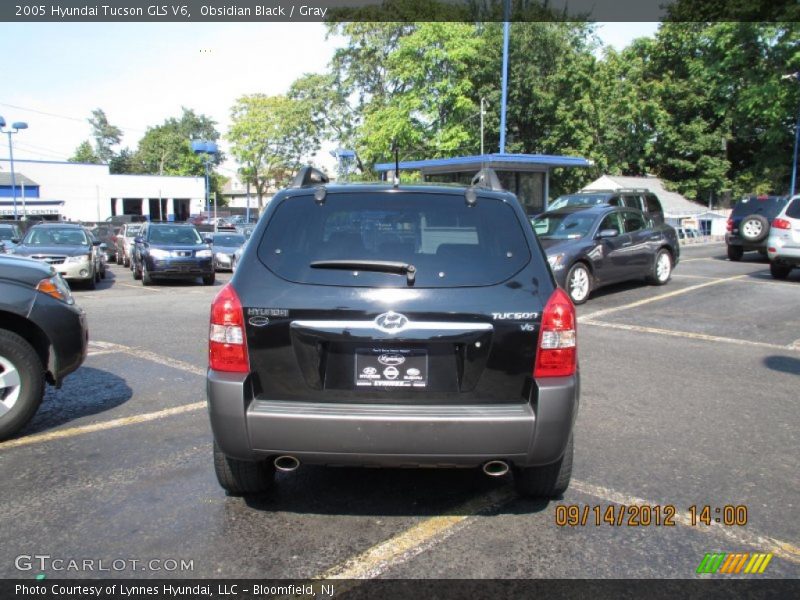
105 135
84 153
701 104
270 136
166 149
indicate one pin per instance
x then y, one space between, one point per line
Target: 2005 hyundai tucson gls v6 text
398 326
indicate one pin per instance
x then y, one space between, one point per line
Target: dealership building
56 190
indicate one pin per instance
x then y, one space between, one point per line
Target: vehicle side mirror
96 243
208 240
16 240
607 233
138 239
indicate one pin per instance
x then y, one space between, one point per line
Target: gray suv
399 326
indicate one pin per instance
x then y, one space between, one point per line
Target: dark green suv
749 224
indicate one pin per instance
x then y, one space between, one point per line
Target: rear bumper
786 251
392 435
732 239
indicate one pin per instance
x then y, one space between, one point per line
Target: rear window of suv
769 206
449 243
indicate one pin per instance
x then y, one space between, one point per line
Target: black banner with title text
396 10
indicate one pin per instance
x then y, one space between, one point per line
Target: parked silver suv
783 245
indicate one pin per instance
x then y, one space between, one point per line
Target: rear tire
91 283
209 279
21 383
579 283
241 477
662 268
137 274
735 253
779 271
549 481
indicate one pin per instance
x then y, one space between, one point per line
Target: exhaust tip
495 468
286 464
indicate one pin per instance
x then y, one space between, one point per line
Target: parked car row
72 249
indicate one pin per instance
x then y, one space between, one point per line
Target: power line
78 120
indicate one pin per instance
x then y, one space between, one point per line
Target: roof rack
616 191
309 176
487 179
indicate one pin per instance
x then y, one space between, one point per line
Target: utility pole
483 112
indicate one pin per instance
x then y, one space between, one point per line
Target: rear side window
449 243
793 210
653 205
633 202
632 221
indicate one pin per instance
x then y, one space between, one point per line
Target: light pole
207 149
15 128
796 77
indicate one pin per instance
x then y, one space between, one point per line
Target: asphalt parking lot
689 397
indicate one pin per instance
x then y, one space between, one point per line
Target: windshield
6 233
228 240
174 235
56 237
578 200
769 206
568 226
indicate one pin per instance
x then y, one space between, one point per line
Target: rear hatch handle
380 266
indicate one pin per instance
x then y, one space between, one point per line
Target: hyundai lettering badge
391 322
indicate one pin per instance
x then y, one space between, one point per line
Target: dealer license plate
381 367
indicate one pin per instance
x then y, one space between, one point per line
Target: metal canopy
515 162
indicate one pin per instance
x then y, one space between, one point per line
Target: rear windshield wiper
380 266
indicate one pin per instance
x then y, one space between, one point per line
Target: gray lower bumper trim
396 435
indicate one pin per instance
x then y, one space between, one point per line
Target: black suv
43 337
640 199
749 224
393 326
171 251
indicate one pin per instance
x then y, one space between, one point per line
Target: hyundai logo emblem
391 322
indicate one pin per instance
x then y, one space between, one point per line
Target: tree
105 135
84 153
166 149
270 136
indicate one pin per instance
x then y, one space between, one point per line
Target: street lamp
15 128
206 150
796 77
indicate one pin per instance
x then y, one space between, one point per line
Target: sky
140 74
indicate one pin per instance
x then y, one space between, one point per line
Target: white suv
783 245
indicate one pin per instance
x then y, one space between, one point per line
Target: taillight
781 224
227 350
557 354
729 224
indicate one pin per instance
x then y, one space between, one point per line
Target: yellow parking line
644 301
734 535
415 540
423 536
141 287
102 426
691 335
